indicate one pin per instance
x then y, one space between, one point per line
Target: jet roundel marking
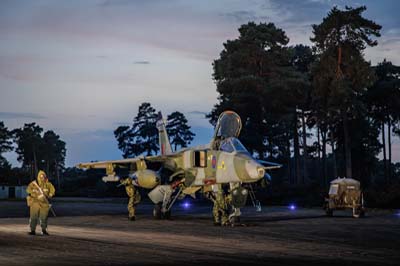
214 162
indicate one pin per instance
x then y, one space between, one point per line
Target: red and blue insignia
214 162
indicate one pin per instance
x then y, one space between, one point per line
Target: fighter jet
173 175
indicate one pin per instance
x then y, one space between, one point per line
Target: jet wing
123 163
269 165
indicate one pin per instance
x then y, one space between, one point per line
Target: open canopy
228 125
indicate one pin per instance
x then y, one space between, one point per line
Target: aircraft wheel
157 211
167 215
356 212
234 220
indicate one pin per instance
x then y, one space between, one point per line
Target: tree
144 128
36 151
301 59
54 151
142 136
5 143
341 73
124 142
248 75
29 141
383 100
178 130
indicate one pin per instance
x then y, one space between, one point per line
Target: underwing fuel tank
147 178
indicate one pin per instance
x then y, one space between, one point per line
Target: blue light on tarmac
186 205
292 207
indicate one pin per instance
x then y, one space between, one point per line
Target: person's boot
45 233
32 233
217 223
133 218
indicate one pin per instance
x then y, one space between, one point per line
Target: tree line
35 149
141 138
286 95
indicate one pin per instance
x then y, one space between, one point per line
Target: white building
12 192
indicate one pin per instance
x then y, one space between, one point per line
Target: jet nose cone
255 170
261 172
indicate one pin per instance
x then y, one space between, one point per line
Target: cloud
197 113
389 41
304 12
116 3
141 62
12 115
243 16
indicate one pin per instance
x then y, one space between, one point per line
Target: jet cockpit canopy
228 125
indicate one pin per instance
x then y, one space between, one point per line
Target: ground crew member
39 192
220 208
134 197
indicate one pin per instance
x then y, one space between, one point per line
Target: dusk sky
81 68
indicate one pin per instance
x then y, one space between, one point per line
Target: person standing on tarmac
220 212
134 197
39 192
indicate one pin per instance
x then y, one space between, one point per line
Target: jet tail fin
165 146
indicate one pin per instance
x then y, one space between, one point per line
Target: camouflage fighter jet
224 161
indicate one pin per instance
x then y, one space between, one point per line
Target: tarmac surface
97 232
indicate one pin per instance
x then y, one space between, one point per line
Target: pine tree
5 143
142 136
53 153
341 73
383 100
29 142
178 130
301 59
248 75
39 152
122 136
144 131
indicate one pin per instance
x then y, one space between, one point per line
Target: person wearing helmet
39 192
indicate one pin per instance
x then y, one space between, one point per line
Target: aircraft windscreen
238 145
226 146
231 145
229 125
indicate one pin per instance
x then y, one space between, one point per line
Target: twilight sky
81 68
